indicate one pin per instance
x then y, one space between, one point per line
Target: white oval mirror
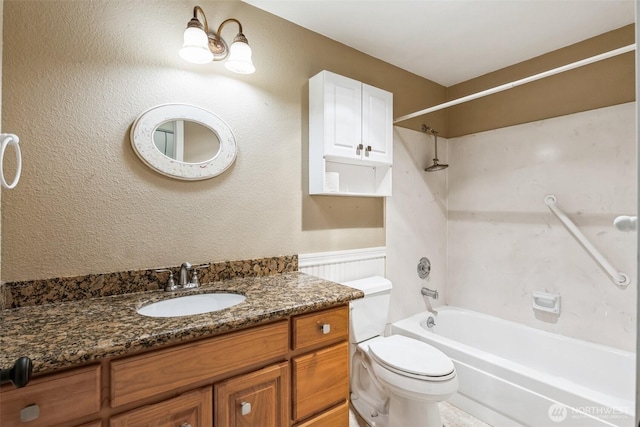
183 141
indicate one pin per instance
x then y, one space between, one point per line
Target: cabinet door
258 399
320 380
342 116
192 409
377 124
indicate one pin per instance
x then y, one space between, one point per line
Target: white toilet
396 381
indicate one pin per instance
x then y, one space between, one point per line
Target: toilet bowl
396 381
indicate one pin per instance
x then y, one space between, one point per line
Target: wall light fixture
202 45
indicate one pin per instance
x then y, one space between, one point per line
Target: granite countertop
61 335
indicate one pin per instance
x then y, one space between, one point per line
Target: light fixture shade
196 46
239 60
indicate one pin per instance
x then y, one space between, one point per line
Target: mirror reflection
186 141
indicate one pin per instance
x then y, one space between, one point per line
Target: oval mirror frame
142 141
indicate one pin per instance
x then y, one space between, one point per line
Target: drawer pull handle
325 328
29 413
245 408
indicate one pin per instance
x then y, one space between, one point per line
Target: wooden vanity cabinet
292 372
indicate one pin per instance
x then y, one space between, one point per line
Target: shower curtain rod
513 84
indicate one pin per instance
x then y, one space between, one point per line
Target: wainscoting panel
341 266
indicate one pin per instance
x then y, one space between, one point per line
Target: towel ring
10 139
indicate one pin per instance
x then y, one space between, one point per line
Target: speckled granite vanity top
66 334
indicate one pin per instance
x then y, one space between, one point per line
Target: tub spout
429 293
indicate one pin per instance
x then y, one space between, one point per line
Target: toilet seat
412 358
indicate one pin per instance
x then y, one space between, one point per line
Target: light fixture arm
240 37
226 21
195 22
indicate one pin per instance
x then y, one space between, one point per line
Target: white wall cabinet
350 137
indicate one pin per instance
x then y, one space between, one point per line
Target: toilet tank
369 314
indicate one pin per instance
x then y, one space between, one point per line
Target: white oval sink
191 304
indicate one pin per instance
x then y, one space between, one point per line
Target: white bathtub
514 375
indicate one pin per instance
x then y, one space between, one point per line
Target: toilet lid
408 355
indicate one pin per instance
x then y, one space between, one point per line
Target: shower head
435 166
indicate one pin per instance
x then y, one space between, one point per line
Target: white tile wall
416 222
504 243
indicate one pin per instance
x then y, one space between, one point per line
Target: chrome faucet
429 293
183 280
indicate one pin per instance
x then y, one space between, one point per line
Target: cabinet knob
29 413
325 328
368 148
245 408
185 425
358 148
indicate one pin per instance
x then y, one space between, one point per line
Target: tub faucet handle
431 322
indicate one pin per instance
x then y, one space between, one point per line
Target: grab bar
626 223
619 279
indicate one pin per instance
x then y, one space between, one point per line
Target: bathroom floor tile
454 417
451 417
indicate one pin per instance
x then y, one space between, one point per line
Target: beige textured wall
1 14
604 83
77 74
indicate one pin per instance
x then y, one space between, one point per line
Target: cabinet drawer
56 398
320 380
308 328
334 417
136 377
194 408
